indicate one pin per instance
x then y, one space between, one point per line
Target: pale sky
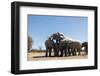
41 26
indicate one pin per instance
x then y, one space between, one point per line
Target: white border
26 65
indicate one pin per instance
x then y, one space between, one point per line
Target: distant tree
40 47
30 42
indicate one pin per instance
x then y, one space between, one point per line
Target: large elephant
85 46
74 47
63 47
49 44
57 37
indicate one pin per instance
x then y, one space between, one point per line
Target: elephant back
74 45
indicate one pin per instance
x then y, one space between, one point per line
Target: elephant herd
61 46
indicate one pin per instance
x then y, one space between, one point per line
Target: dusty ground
39 56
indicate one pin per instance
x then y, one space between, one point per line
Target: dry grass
40 56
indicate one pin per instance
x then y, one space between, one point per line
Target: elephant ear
62 37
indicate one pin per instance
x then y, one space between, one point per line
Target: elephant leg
55 52
69 52
73 52
46 52
50 49
49 53
86 51
61 52
78 51
65 52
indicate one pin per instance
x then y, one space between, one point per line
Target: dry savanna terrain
39 55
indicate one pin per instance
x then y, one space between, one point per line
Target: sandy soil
40 56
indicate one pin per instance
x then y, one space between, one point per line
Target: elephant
56 49
63 44
49 44
85 45
74 47
56 38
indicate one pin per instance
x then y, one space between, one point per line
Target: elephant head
57 36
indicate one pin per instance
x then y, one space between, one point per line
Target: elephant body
74 47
